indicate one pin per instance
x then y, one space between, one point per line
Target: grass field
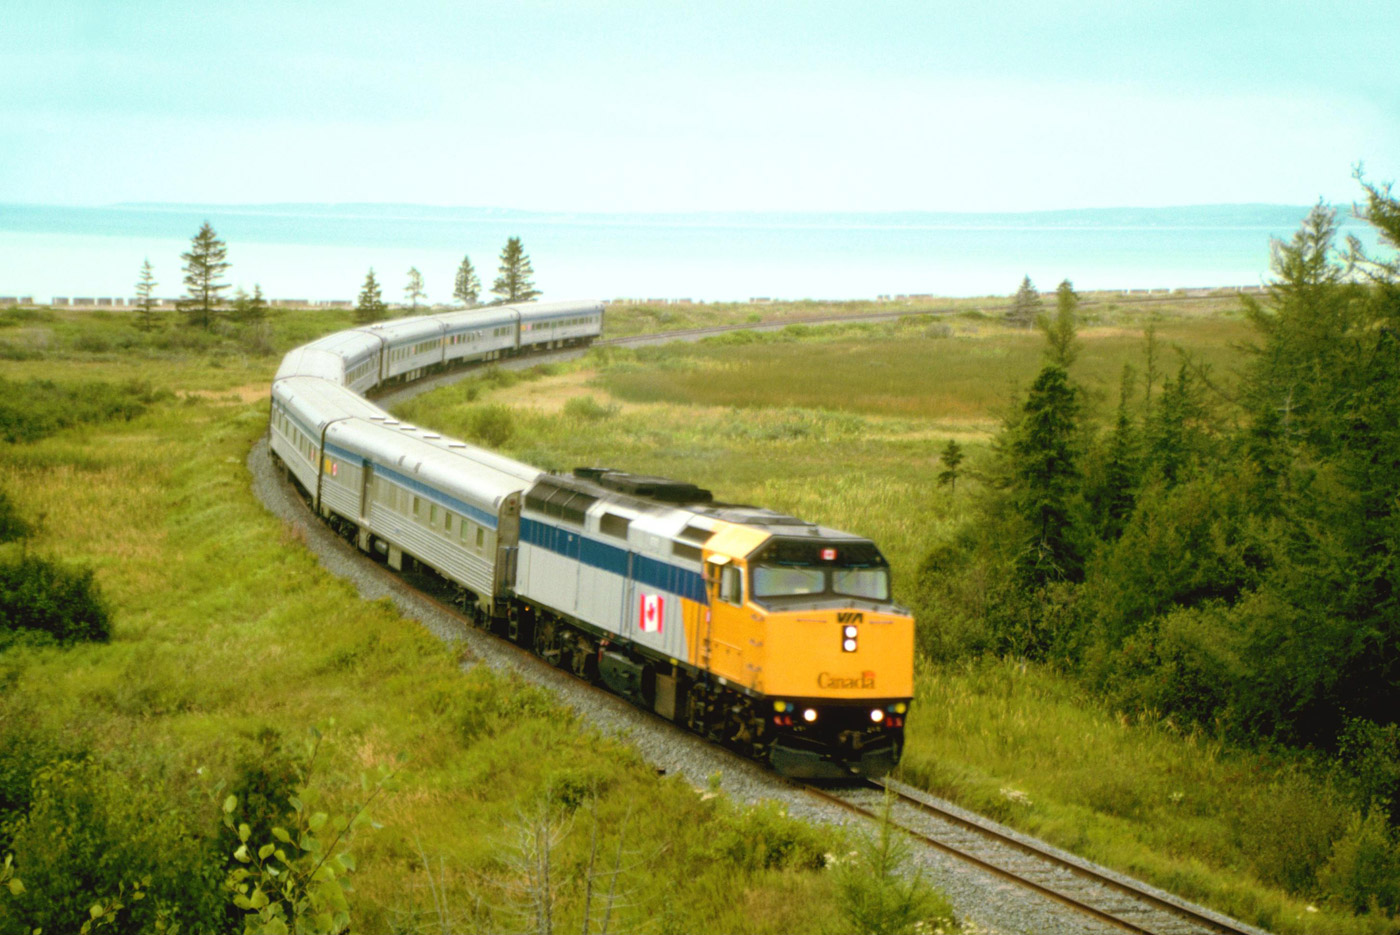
227 632
229 637
843 426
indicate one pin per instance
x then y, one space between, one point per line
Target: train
772 635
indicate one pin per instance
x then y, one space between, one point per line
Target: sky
656 106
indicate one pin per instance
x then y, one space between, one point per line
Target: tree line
1224 555
206 263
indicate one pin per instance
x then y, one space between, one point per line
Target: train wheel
584 660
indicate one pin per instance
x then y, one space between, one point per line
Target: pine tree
370 306
1046 478
952 457
1061 332
515 281
414 290
1112 498
467 287
205 263
1025 305
146 318
248 309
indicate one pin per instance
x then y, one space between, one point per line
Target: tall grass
843 427
226 631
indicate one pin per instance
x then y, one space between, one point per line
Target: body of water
322 252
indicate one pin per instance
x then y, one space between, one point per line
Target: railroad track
1110 898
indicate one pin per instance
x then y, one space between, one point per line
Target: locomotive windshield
787 568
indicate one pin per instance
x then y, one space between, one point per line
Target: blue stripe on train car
645 570
447 500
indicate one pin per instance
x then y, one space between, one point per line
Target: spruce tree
205 263
413 291
146 318
1046 479
1025 305
952 458
1061 331
248 309
467 287
515 281
370 306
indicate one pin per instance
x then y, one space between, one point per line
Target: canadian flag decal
653 606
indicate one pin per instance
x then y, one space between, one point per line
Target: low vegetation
130 766
1156 609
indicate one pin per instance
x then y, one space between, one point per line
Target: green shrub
35 409
875 895
1364 872
588 409
12 525
492 425
44 600
765 838
95 835
25 749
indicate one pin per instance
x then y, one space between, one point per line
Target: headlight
849 632
877 715
809 715
849 646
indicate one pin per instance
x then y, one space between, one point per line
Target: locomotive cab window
793 570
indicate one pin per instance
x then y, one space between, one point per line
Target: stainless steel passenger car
406 490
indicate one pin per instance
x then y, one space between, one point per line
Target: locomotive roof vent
645 485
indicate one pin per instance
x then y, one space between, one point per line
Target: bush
12 525
765 838
35 409
492 425
877 896
96 835
588 409
44 600
1364 872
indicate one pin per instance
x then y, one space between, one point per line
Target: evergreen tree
146 317
1025 305
515 281
467 287
1061 332
205 263
370 306
1111 498
952 457
248 309
1046 478
414 290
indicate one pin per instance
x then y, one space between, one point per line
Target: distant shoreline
126 304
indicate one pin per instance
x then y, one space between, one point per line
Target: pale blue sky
652 106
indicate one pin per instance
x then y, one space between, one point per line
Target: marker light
901 708
849 646
809 715
877 715
828 555
780 706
